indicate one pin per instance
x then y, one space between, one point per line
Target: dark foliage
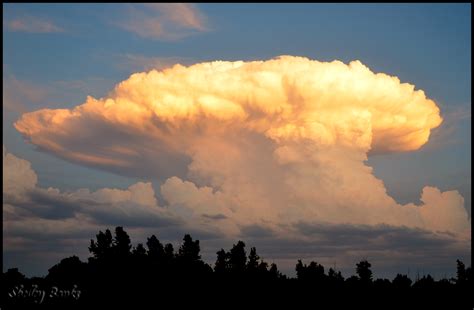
118 275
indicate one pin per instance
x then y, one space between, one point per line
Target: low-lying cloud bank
41 226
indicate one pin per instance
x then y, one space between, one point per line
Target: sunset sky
320 132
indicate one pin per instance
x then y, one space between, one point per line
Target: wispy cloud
445 135
164 21
18 95
32 25
183 14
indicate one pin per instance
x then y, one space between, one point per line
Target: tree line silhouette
118 274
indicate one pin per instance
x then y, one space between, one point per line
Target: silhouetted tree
262 267
68 270
121 244
469 275
461 272
221 265
443 284
156 251
382 284
238 258
402 282
426 282
189 250
139 250
101 248
139 266
13 276
253 259
335 278
169 252
300 270
352 282
274 273
364 272
314 272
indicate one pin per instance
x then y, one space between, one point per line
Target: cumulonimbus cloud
265 143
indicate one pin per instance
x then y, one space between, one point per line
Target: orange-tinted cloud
17 174
184 14
258 143
168 21
24 199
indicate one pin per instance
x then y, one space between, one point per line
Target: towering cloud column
264 142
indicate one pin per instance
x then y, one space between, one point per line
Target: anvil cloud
263 143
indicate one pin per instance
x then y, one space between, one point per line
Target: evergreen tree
238 257
221 265
101 248
189 250
156 250
252 263
121 244
364 272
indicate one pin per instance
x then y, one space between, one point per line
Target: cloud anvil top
267 143
287 98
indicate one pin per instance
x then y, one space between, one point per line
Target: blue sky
84 49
